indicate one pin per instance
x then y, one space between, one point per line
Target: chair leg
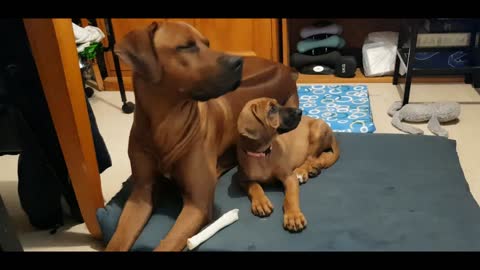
410 62
8 236
128 106
472 57
396 72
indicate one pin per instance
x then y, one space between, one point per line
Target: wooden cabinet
268 38
242 36
258 37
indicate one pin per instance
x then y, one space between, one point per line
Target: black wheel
128 107
89 92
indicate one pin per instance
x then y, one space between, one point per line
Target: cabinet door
258 37
242 36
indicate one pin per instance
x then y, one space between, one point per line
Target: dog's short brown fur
188 98
277 143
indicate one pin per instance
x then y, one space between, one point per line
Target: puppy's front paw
294 221
262 207
301 174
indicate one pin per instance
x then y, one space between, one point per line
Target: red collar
260 154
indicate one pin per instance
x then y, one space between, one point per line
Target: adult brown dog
184 127
276 142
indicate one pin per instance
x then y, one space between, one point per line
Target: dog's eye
190 46
273 109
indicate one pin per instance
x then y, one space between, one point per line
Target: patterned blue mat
346 108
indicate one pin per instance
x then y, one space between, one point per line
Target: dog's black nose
298 112
233 62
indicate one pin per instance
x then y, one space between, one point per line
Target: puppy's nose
233 62
298 112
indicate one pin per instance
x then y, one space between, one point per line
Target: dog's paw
301 174
314 172
262 207
294 221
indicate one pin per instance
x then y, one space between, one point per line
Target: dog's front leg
138 208
196 173
261 205
293 218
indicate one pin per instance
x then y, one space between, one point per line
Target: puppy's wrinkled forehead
264 103
172 34
259 107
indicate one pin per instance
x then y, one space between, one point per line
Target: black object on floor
386 193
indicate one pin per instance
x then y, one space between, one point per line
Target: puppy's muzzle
289 119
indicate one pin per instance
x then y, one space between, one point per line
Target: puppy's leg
304 171
197 177
293 218
138 208
321 138
326 159
261 205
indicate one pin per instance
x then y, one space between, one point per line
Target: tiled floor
114 126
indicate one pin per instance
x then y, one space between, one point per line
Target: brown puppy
276 142
184 127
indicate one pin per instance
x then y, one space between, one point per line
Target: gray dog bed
387 192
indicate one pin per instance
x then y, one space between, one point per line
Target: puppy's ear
274 121
247 123
137 50
250 133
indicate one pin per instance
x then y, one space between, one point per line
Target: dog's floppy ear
247 123
137 50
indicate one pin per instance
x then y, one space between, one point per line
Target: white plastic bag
86 35
379 51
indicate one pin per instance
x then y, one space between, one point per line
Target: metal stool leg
128 107
410 62
396 72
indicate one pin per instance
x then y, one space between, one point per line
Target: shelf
360 78
435 71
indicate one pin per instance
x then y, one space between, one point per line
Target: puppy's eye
273 109
189 46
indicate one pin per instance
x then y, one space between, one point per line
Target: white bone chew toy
225 220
